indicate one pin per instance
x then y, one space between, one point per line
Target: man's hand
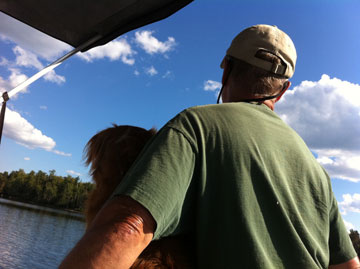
120 232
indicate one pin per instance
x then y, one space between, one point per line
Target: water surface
36 237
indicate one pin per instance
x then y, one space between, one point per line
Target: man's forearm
115 239
352 264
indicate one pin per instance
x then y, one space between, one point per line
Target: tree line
64 192
45 189
355 239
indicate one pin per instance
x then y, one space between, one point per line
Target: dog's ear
94 151
152 131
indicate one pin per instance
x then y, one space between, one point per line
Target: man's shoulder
205 117
194 111
199 108
217 108
213 113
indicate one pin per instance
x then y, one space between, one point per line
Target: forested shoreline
355 239
45 189
48 189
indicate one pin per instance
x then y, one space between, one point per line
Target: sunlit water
34 238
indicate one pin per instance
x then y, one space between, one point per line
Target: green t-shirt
246 184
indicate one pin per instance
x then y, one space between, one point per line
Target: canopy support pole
51 66
6 96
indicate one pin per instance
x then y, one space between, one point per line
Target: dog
110 153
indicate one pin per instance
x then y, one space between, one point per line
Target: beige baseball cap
268 38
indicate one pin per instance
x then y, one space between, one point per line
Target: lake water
36 237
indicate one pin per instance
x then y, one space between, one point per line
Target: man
234 174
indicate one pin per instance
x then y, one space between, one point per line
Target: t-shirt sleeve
160 178
340 245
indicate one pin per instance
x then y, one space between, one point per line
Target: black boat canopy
83 24
77 21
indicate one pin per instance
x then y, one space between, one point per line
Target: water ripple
35 239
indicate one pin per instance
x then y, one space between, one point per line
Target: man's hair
257 81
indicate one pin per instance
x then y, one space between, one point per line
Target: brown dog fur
110 153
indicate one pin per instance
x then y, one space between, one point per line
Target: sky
146 76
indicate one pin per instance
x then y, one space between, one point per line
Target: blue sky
147 76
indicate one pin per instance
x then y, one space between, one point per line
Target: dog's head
111 152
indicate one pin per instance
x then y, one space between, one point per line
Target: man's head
258 63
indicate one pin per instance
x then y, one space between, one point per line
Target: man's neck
270 104
233 93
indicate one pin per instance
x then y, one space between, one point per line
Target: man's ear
286 86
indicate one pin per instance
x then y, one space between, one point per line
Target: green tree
45 189
34 188
3 180
14 184
355 239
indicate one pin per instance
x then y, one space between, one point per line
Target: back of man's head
262 58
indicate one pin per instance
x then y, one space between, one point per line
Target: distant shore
43 208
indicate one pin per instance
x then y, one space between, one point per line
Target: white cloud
349 226
61 153
31 39
43 107
323 160
27 158
151 71
3 85
343 164
136 73
151 44
351 203
168 74
72 172
3 61
53 77
29 59
26 58
15 78
114 50
22 132
326 114
211 85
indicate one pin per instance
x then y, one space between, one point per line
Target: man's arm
120 232
352 264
